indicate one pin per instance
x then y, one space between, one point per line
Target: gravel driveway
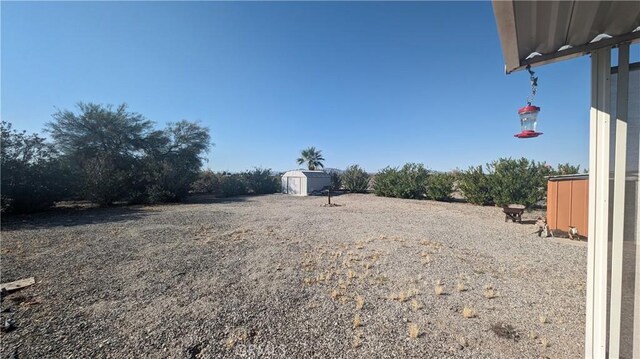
283 276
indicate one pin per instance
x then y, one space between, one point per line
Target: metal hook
534 85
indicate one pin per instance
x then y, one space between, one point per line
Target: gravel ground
282 276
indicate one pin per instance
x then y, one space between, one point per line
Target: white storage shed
301 182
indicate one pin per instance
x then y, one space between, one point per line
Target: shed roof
569 177
539 32
308 174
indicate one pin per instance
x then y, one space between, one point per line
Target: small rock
9 325
193 351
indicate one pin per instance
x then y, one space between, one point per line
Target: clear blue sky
368 82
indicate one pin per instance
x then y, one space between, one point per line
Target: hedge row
257 181
501 182
413 181
507 181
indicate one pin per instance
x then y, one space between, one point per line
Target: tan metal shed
568 203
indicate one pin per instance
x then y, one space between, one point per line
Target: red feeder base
527 134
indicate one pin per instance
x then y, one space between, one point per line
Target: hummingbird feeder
529 113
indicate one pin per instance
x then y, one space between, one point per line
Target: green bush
336 180
385 182
170 179
207 182
355 179
412 181
33 177
157 194
518 181
475 186
105 179
440 186
409 181
261 181
224 184
232 185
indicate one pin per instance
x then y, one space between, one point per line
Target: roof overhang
539 32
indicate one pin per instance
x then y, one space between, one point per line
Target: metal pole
597 256
622 97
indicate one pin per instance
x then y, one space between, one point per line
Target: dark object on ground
325 192
513 212
9 325
505 331
193 351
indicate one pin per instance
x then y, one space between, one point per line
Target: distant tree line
224 184
106 155
103 154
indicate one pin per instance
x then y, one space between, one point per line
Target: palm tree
312 157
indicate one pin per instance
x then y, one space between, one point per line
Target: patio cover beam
537 33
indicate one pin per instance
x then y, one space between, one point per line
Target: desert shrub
225 184
158 194
407 182
169 180
104 179
475 186
385 182
355 179
336 180
33 177
207 182
412 181
440 186
261 181
518 181
232 185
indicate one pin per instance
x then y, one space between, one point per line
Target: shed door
293 185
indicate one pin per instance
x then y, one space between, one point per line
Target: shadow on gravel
209 199
528 221
72 217
457 200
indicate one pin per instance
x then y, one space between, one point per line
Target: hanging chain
534 85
